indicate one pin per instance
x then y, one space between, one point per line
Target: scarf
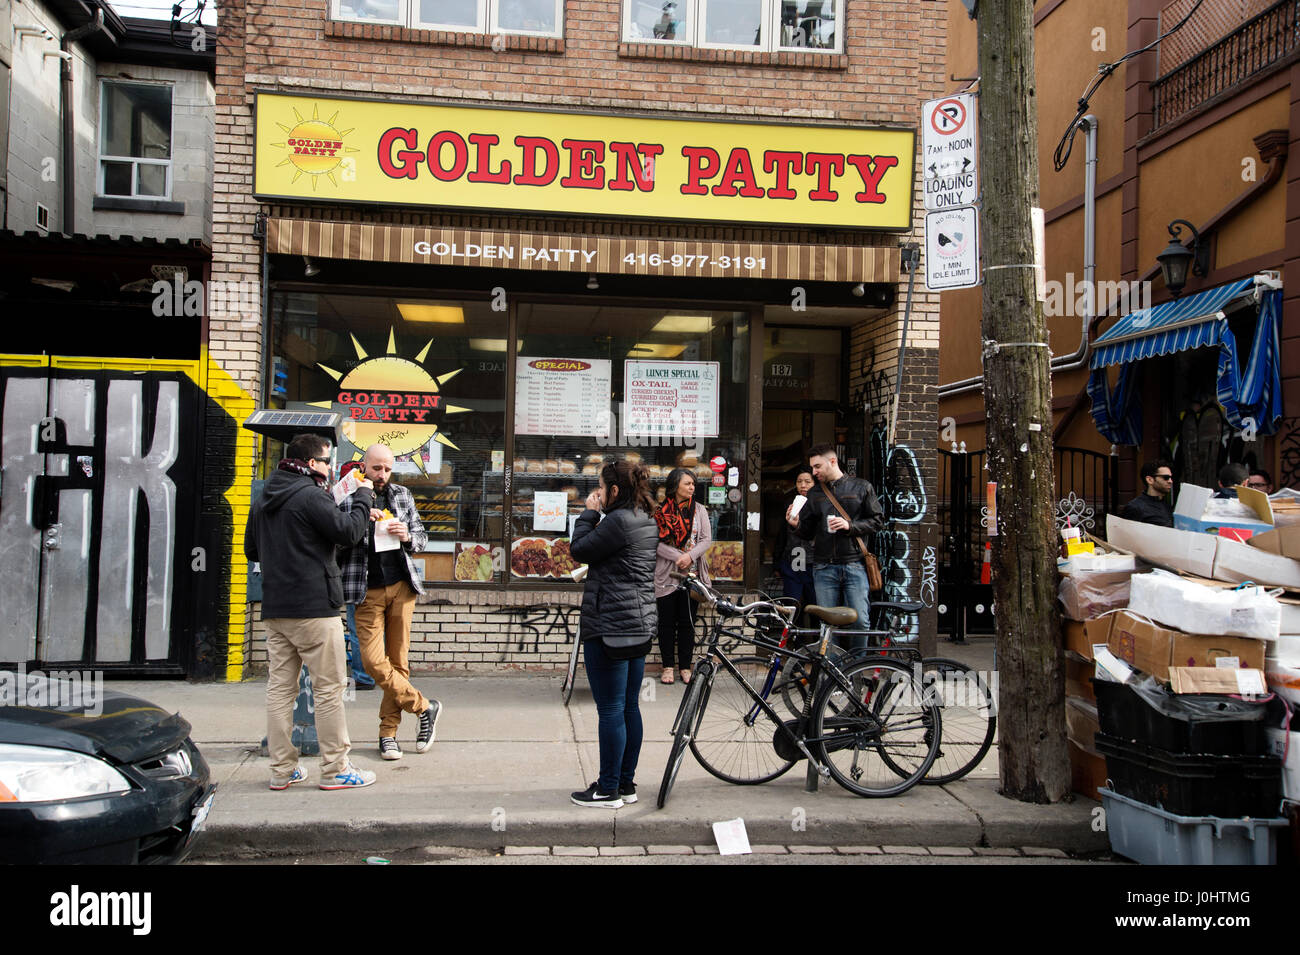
296 466
674 523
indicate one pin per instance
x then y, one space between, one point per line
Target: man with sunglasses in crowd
1152 506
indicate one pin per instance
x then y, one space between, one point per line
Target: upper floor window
769 25
135 140
535 17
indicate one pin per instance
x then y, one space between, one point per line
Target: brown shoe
686 676
666 678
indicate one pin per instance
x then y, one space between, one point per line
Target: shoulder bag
875 579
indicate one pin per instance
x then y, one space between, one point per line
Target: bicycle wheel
566 691
733 739
886 714
683 727
969 718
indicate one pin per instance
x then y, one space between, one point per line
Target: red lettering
739 169
401 414
420 416
431 401
585 171
702 163
345 398
636 160
407 165
412 401
357 413
460 156
529 176
872 170
784 165
394 400
371 415
483 143
823 164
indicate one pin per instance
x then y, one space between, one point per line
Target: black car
105 779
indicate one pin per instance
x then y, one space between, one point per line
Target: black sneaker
592 796
628 793
428 724
388 747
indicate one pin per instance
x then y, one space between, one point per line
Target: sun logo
315 146
392 400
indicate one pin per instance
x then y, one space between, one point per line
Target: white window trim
488 14
770 30
135 161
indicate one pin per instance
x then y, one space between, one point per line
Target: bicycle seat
898 606
835 616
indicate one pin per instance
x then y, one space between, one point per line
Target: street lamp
1177 258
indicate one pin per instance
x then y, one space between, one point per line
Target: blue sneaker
299 776
350 778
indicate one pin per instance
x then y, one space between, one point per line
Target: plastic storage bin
1121 712
1155 837
1193 784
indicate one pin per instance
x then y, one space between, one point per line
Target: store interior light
437 314
493 344
692 324
651 350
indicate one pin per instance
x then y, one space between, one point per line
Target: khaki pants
384 630
317 643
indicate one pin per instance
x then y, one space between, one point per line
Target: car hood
124 728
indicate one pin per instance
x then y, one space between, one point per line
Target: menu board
562 396
677 398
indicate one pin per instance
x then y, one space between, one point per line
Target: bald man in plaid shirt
384 585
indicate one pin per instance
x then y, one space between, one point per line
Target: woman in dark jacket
618 620
793 554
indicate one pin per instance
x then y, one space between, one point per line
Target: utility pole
1018 411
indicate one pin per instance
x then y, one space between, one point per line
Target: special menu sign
346 150
567 396
677 398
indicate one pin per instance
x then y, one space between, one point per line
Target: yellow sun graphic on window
315 146
392 400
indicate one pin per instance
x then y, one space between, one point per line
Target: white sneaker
350 778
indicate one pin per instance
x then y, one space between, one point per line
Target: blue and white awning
1184 323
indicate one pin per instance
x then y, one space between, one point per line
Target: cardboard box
1081 636
1087 771
1154 650
1285 542
1219 680
1078 680
1181 550
1081 722
1072 635
1189 513
1237 562
1290 623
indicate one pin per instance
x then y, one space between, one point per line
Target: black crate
1121 712
1195 784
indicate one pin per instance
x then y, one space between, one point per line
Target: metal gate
1087 487
98 514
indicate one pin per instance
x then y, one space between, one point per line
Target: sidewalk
506 758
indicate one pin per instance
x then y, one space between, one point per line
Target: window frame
488 15
134 161
696 14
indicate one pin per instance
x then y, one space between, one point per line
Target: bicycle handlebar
725 606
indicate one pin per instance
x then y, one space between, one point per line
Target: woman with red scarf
684 536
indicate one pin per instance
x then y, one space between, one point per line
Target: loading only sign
952 249
949 152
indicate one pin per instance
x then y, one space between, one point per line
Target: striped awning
1184 323
602 254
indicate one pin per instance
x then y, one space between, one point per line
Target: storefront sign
343 150
567 396
677 398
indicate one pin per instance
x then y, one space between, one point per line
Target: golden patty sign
332 150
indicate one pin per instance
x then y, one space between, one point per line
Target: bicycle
858 708
532 616
969 709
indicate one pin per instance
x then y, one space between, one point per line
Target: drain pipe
1079 357
65 108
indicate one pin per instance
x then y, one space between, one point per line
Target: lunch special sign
347 150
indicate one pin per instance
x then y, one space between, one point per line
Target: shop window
135 140
767 25
596 383
423 377
533 17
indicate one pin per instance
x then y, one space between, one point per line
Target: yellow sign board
345 150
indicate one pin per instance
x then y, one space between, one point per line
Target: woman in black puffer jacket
618 620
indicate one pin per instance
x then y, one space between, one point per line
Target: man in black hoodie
293 530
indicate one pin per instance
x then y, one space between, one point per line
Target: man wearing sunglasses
1152 506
